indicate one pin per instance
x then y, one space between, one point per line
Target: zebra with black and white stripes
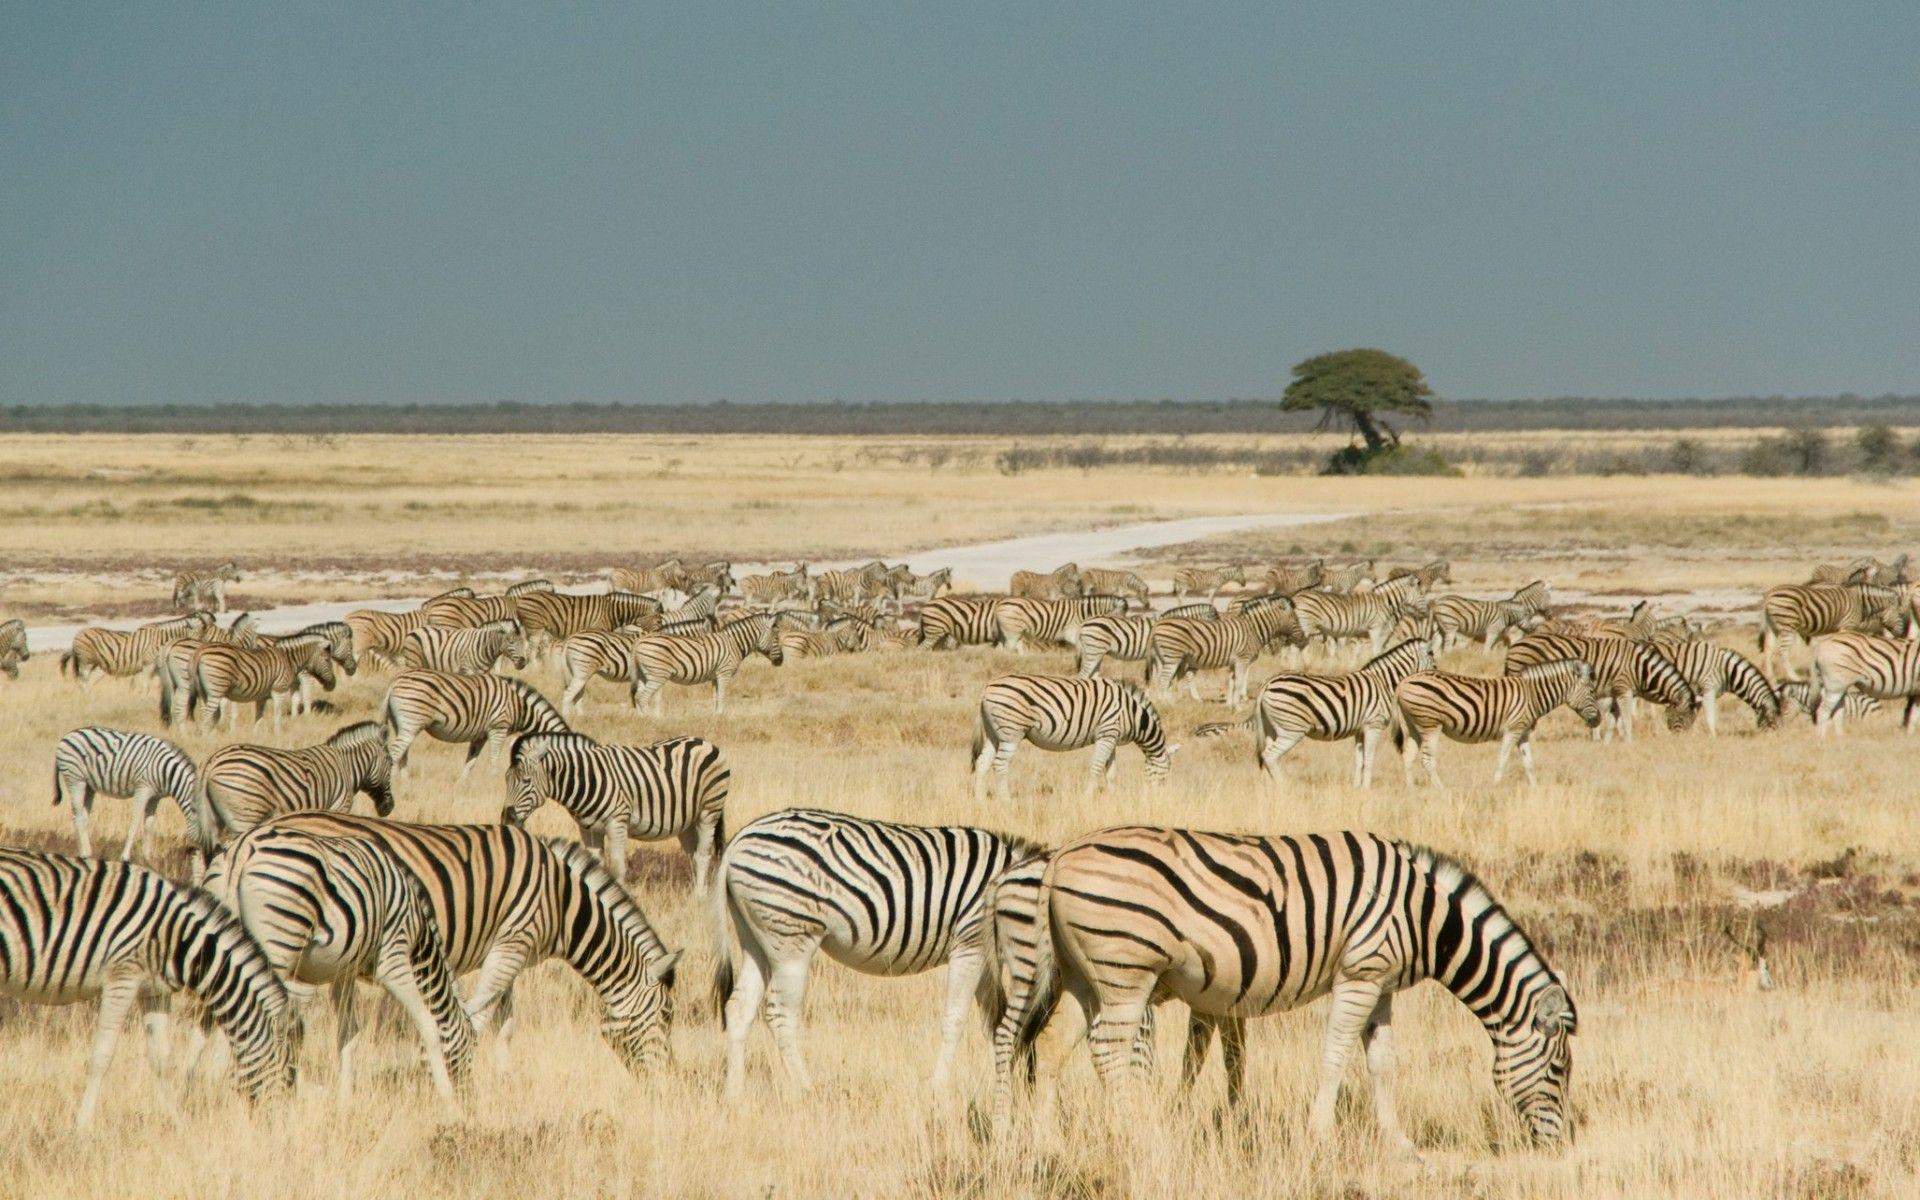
550 618
590 656
1290 579
776 586
842 635
1803 696
378 634
77 929
121 653
1807 611
96 761
204 591
1471 708
1333 615
461 609
1185 646
476 651
1439 570
1128 637
1238 927
1071 713
480 710
504 900
955 621
246 785
331 911
1623 671
1857 663
268 677
1061 583
13 646
1193 581
924 587
644 581
702 658
337 636
1344 578
853 585
1712 671
675 788
1462 617
701 604
1102 581
1049 622
880 897
1358 705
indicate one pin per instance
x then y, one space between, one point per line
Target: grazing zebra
597 655
246 786
176 664
474 651
461 609
1289 579
1461 617
195 591
128 652
882 898
1469 708
335 910
1099 581
1622 671
842 635
1329 615
378 635
1193 581
1127 638
337 636
1184 645
1065 714
776 586
550 618
672 788
701 604
505 900
1359 705
1061 583
852 586
1883 668
718 574
1049 622
75 929
1711 670
924 587
702 658
1803 696
480 710
94 760
1346 577
1438 571
1868 570
959 621
225 677
1807 611
1238 927
13 646
646 580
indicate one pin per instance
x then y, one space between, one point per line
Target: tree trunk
1363 421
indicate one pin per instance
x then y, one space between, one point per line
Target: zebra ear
660 970
1553 1011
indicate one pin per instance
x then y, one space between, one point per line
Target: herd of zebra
289 892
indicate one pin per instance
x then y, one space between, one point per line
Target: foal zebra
1182 646
332 911
882 898
1807 611
195 591
1461 617
79 929
246 785
128 652
504 900
959 621
1239 927
1711 670
1196 580
94 760
1359 705
1803 696
1049 622
1331 615
1622 671
1438 571
1883 668
702 658
1469 708
13 646
672 788
480 710
1128 638
1065 714
475 651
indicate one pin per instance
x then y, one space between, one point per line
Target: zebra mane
526 743
1553 667
218 923
600 882
529 585
1454 884
357 734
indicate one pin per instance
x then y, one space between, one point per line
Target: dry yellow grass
1624 862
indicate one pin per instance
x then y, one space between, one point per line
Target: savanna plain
1629 863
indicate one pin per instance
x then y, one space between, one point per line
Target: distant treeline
1004 418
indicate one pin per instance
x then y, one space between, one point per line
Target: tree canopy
1357 388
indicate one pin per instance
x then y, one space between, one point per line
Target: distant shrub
1879 448
1687 456
1393 460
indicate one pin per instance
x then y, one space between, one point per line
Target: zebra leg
1380 1068
1233 1055
1276 748
395 973
493 989
1710 700
1354 1002
719 692
1500 762
155 1014
743 1007
347 1016
615 857
983 763
1115 1033
1526 756
698 842
80 803
648 693
117 998
145 800
1199 1040
964 972
1428 746
1102 764
1002 762
786 995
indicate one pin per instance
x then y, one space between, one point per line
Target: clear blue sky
355 201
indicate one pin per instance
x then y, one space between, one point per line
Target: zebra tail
979 736
1216 728
1044 996
722 944
69 665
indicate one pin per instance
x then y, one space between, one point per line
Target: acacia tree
1358 389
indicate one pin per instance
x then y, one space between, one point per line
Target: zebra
1182 646
128 652
1065 714
718 574
925 587
1883 668
1803 696
1099 581
959 621
1470 708
75 929
1209 580
842 635
672 788
337 636
880 897
853 585
1061 583
1289 579
378 635
645 580
1867 570
176 665
701 604
1807 611
1623 670
1640 625
334 910
1438 571
94 760
1346 577
195 591
1461 617
704 658
246 785
550 618
480 710
1711 670
505 900
597 655
1359 705
1049 622
461 609
776 586
1127 637
475 651
224 677
1239 926
1329 615
13 646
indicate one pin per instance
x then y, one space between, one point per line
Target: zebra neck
608 946
1479 955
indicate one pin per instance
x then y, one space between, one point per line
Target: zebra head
507 641
314 658
1149 734
1532 1060
363 747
